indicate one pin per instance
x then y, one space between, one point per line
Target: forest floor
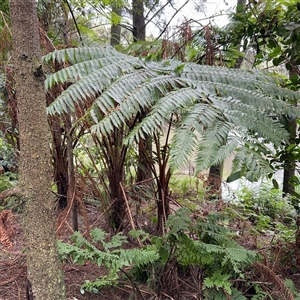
13 278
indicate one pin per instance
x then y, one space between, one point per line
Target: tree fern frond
251 160
117 100
214 138
80 54
75 72
254 80
253 98
194 125
186 140
255 121
214 146
211 102
142 96
234 141
163 108
223 75
87 86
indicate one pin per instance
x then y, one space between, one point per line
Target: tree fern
211 102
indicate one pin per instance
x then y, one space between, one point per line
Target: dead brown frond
13 277
277 287
7 229
46 43
176 282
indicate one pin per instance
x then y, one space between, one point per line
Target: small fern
218 280
181 247
184 246
201 248
109 254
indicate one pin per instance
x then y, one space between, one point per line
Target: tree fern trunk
60 166
115 177
215 181
115 153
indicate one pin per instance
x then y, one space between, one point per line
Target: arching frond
251 161
143 96
254 80
90 85
219 110
81 54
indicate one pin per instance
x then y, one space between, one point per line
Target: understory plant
268 209
196 256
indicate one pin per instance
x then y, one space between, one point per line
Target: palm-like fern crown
228 108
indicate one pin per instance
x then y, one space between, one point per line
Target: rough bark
43 264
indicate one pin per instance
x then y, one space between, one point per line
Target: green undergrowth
200 249
268 212
198 256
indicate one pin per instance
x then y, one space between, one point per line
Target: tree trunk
115 31
240 59
43 263
72 200
118 210
138 21
290 166
60 164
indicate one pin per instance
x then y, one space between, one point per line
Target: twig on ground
129 213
